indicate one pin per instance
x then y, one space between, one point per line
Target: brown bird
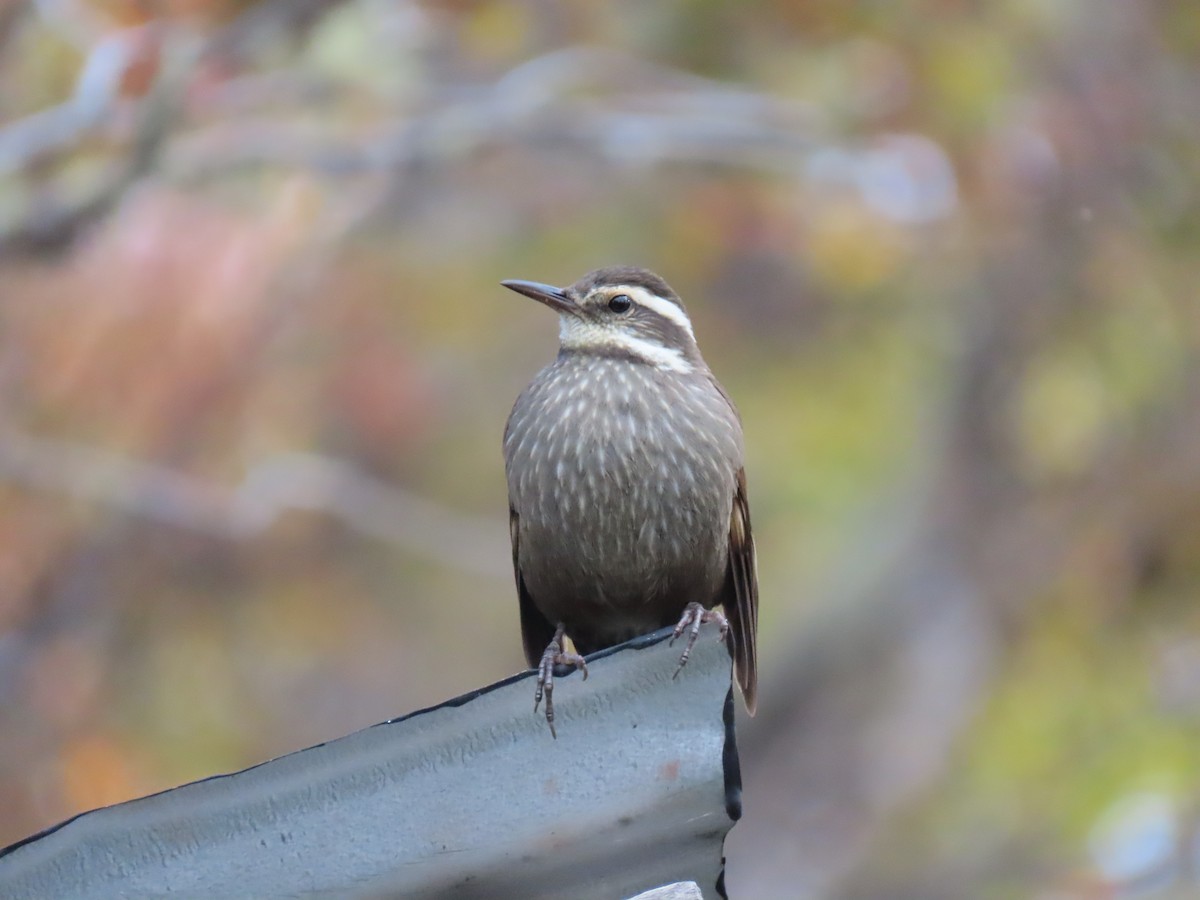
626 486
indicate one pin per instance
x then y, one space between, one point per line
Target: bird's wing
536 630
740 595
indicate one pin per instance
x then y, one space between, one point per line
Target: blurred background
255 366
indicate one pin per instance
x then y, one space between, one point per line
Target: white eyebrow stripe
655 303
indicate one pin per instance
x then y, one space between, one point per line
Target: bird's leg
695 615
555 655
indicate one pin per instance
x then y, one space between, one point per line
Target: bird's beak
555 298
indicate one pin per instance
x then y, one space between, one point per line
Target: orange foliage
97 770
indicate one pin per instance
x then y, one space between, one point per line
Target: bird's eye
620 303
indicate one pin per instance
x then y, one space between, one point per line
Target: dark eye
620 303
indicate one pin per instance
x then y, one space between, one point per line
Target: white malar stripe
655 303
666 358
576 334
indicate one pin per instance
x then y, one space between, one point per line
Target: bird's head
622 312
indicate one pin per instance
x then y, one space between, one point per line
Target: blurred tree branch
271 488
50 226
54 226
595 103
599 103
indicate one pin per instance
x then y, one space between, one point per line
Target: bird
628 509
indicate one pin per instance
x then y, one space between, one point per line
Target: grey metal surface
468 799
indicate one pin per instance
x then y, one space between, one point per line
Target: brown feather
536 630
740 597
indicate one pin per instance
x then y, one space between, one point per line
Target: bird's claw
695 615
555 655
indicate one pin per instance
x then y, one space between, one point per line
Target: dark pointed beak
555 298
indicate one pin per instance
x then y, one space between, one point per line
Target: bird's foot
695 615
555 655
